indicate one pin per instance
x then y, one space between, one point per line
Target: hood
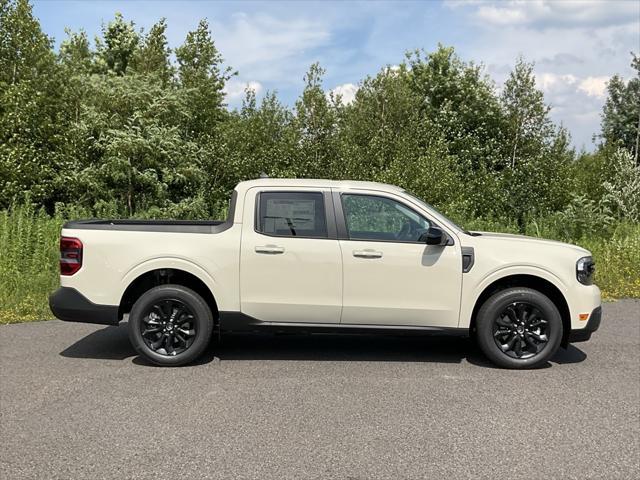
531 240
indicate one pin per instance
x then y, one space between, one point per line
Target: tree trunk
637 137
515 148
130 191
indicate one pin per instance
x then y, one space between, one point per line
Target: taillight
70 255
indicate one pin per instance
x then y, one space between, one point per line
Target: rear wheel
519 328
170 325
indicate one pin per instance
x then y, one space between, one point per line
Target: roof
317 183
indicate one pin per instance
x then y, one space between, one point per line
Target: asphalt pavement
76 402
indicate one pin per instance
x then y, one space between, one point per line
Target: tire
519 344
170 325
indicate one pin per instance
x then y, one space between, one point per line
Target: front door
390 277
290 262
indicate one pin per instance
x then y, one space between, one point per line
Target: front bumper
70 305
584 334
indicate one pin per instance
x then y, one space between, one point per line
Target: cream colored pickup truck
323 255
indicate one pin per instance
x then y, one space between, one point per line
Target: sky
576 45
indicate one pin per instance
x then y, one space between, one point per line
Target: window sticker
282 214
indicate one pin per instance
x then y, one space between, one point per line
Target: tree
25 51
202 79
117 45
132 153
258 138
201 82
316 123
539 153
121 129
152 56
527 116
623 189
460 99
32 116
621 113
75 52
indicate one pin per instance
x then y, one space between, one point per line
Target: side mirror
434 236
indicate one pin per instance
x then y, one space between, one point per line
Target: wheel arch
529 281
164 276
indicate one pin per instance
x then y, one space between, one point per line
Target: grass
29 260
617 259
28 263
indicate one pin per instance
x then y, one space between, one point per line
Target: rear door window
292 214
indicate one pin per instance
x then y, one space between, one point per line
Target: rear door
290 261
390 277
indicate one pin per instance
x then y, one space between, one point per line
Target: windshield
430 207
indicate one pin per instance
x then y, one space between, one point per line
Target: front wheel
170 325
519 328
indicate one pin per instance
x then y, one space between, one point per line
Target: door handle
269 249
367 254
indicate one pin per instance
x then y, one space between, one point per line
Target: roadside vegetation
116 128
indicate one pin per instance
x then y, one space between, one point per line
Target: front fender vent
468 259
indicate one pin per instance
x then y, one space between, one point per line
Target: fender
178 263
495 275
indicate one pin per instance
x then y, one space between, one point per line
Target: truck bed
174 226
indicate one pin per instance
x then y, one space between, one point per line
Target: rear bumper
584 334
69 305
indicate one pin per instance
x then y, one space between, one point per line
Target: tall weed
28 262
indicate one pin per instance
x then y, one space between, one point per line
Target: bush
617 258
29 263
581 218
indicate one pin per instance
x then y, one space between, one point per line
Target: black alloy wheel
519 327
169 327
520 330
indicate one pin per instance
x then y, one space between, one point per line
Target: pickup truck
325 256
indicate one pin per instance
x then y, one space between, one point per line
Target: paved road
76 402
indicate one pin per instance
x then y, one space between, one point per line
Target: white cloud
548 81
594 86
501 16
347 92
235 89
576 47
266 45
547 13
572 97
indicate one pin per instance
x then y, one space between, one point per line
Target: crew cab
325 255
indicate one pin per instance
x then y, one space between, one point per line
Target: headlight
585 267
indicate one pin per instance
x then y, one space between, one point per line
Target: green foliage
25 51
28 264
202 79
117 46
258 139
535 180
152 58
316 126
621 114
617 259
31 122
623 187
461 101
130 147
579 219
